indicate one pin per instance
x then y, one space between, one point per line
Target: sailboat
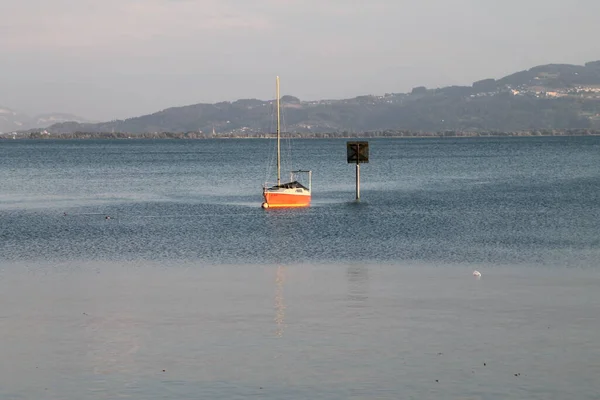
288 194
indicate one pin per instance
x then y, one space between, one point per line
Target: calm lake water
190 290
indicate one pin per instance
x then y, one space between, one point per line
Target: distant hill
11 121
554 96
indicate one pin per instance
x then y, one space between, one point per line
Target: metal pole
357 181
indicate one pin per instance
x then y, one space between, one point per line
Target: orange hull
281 200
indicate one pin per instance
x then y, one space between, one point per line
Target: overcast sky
107 59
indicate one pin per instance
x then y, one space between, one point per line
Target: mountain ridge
11 120
551 96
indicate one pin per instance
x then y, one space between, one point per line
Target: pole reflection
358 286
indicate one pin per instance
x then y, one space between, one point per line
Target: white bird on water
477 274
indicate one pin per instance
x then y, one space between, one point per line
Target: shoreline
332 135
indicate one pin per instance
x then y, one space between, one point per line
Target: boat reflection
279 301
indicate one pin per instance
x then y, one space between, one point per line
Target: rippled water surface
191 290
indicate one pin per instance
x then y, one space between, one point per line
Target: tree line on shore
343 134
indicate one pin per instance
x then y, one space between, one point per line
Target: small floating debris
477 274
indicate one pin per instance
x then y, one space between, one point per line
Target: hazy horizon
125 58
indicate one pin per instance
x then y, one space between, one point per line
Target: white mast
278 138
